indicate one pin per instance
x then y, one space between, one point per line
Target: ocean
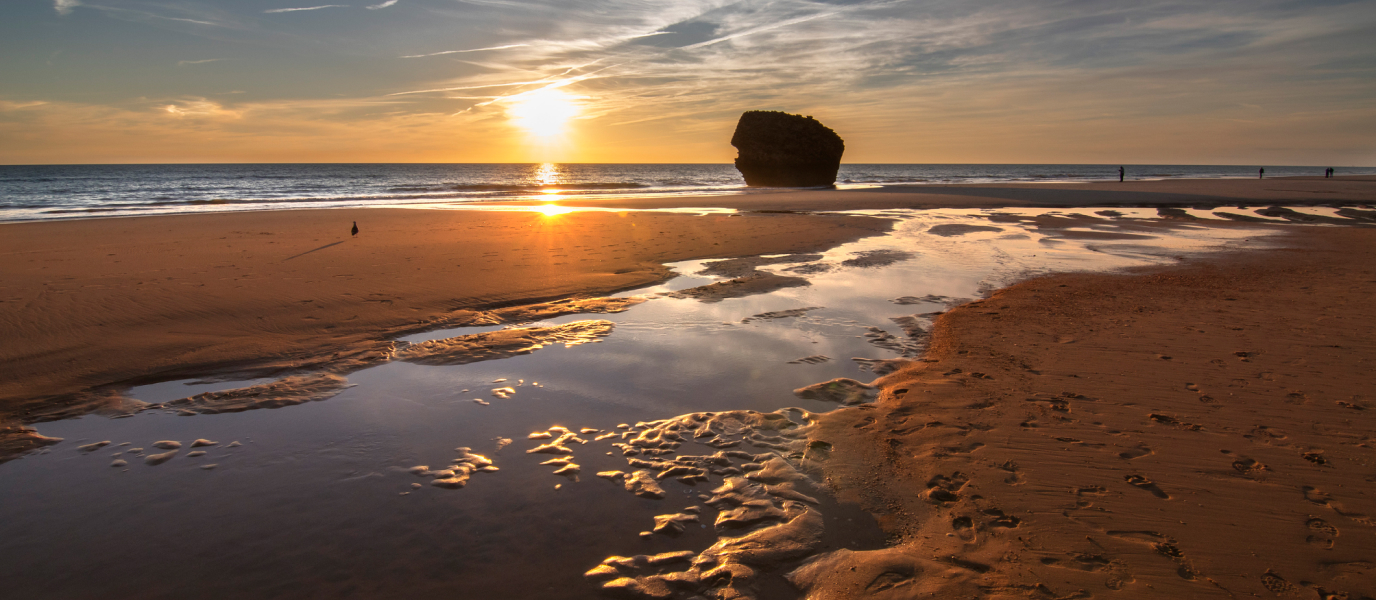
42 192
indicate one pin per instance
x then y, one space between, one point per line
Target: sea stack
778 149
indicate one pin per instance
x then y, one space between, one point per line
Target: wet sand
1204 193
1200 431
92 305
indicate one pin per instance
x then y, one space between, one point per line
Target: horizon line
150 164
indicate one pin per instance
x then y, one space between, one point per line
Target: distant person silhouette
1120 174
354 231
1261 173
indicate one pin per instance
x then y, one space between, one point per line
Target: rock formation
778 149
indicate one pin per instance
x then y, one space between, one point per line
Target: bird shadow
315 250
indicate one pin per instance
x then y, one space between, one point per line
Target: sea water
83 191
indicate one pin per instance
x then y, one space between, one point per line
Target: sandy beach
118 302
1195 430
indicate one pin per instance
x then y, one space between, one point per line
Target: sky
1279 82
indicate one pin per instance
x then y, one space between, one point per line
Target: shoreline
1355 190
1197 430
1346 190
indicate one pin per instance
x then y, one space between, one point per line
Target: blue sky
1231 81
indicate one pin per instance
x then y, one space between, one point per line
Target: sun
544 112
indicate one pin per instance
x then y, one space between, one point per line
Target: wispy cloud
470 50
199 107
544 80
287 10
182 63
183 20
467 87
383 5
755 30
6 105
143 15
64 7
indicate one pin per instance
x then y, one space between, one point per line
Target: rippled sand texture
501 344
763 521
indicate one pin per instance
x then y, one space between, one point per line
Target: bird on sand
355 229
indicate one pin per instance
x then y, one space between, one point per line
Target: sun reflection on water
547 174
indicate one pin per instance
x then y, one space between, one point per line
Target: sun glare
543 113
552 210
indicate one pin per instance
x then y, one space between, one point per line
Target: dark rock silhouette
778 149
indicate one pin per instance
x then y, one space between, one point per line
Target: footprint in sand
1321 533
1141 482
1316 495
1183 568
964 528
943 489
1168 550
1079 562
1320 497
1014 477
1118 575
1277 584
1001 521
1089 490
1249 466
1163 546
1138 452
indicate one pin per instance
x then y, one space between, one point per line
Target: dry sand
117 302
1199 431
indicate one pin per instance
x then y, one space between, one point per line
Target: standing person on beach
1120 174
1261 173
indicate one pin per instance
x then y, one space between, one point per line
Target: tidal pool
323 499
